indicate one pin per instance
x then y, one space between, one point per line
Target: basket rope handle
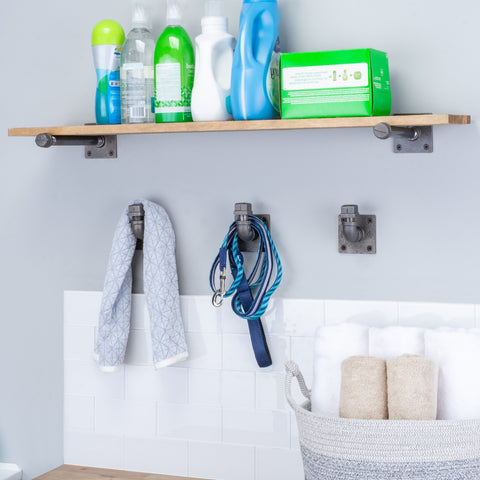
292 370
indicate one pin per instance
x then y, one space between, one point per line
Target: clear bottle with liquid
136 69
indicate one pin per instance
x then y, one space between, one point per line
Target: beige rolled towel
363 392
412 383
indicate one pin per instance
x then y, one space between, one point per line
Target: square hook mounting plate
368 243
422 144
107 150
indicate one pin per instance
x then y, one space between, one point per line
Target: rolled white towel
333 344
391 342
457 353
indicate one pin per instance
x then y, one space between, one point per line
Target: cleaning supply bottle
136 69
255 72
174 70
213 66
107 41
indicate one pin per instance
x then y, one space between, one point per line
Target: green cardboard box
340 83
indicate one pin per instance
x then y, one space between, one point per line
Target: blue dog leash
264 279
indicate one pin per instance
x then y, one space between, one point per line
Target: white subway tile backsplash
272 318
270 391
81 308
266 428
232 323
199 315
93 450
204 351
433 315
167 385
204 386
302 353
373 314
192 422
139 348
278 463
79 412
238 352
156 455
130 418
216 415
238 389
301 318
86 379
139 317
279 347
78 342
221 461
140 419
109 417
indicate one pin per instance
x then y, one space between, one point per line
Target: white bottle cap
174 14
214 24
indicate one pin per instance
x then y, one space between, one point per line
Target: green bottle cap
108 32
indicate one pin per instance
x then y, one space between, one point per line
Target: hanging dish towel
161 292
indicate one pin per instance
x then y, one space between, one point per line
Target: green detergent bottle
174 70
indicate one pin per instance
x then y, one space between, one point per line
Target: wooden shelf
247 125
74 472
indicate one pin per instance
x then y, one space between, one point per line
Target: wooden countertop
75 472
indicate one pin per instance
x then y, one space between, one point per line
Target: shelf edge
246 125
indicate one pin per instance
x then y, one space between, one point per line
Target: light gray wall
59 210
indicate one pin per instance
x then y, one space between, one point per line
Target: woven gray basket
350 449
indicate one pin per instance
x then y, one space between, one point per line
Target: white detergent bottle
213 66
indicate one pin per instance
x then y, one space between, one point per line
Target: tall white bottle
213 66
136 69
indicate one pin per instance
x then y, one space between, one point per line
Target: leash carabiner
217 298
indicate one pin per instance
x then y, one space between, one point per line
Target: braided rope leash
250 294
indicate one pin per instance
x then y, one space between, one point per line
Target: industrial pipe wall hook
247 235
356 233
244 228
353 223
136 214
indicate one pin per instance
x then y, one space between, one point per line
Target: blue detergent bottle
255 86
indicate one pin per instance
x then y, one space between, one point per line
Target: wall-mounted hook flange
406 139
136 214
356 233
96 146
247 236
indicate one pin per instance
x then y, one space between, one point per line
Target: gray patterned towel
161 292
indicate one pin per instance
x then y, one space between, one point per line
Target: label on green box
335 84
326 76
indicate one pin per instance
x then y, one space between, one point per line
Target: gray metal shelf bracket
406 139
96 146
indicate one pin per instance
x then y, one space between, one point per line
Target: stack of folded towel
411 373
402 388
